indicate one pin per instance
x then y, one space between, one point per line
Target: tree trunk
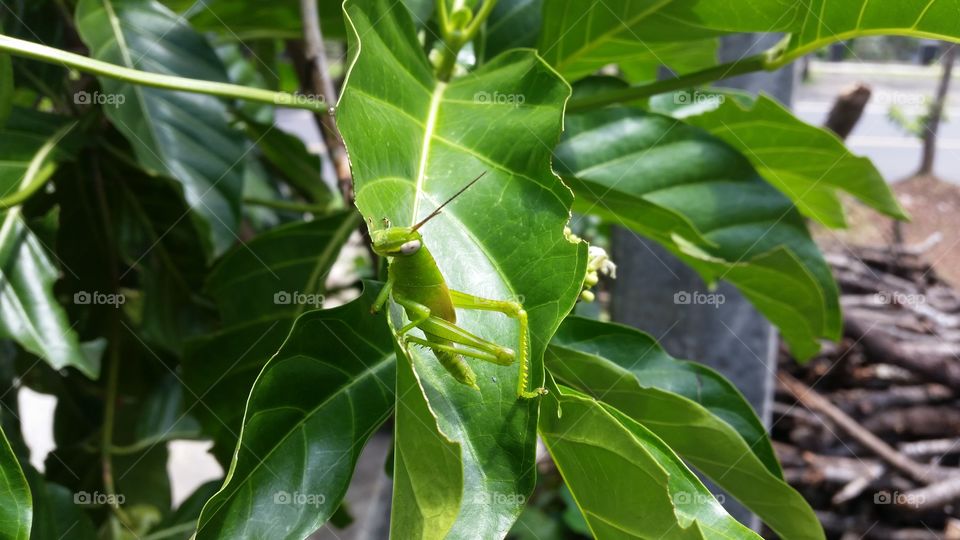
936 112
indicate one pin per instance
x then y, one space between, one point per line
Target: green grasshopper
415 283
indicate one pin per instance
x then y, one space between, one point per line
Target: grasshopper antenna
436 212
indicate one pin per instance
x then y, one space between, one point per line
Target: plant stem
113 359
759 62
455 38
51 55
317 79
38 172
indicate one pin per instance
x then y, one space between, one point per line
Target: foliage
166 252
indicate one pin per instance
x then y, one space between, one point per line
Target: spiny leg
446 330
513 310
441 336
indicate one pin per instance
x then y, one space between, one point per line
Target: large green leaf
16 507
646 491
260 288
697 412
822 22
413 142
806 163
181 135
310 412
581 37
30 148
512 24
620 161
578 37
257 20
56 515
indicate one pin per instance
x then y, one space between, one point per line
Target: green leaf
32 144
806 163
697 412
16 507
29 311
56 515
512 24
311 410
428 478
415 141
260 288
257 20
822 22
181 135
578 37
621 161
646 492
680 57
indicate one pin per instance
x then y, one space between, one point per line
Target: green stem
38 172
286 205
168 82
747 65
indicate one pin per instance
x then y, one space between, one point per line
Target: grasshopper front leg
513 310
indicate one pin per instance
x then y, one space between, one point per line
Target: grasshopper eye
411 247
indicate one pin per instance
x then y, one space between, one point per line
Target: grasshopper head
396 241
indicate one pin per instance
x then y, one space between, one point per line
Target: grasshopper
415 282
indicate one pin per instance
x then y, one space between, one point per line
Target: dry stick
817 403
320 83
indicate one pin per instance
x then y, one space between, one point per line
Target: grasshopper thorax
396 241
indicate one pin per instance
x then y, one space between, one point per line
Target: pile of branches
869 431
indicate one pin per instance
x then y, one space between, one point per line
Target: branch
51 55
319 82
815 402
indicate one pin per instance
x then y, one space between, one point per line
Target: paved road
895 153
